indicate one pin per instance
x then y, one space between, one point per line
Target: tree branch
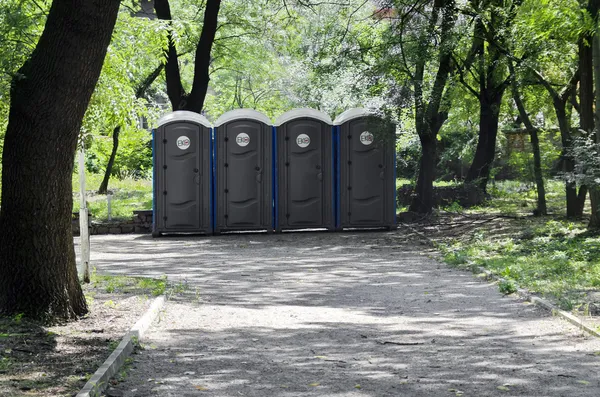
175 89
141 89
201 71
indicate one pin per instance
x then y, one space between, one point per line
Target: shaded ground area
339 314
42 361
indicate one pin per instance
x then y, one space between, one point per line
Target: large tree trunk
489 114
586 107
573 205
422 201
103 189
49 97
194 101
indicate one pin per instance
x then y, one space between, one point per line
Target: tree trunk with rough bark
572 198
49 96
422 202
485 153
492 79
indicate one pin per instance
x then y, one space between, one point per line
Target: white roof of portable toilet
300 113
237 114
184 115
351 114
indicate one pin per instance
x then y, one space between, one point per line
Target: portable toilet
182 174
243 171
367 170
305 163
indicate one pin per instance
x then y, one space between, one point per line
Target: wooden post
84 233
108 205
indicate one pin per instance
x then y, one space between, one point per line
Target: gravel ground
338 314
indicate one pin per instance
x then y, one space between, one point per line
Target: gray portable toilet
243 171
305 163
367 170
182 174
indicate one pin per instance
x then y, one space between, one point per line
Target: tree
246 69
140 92
421 39
430 115
593 8
487 62
535 143
49 97
412 66
194 100
560 101
544 42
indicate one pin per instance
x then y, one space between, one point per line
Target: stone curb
99 381
545 304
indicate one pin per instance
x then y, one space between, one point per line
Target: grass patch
128 195
556 258
92 183
403 181
516 198
130 285
5 363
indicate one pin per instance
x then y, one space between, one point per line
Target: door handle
259 177
320 176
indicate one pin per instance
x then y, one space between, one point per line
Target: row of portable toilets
245 173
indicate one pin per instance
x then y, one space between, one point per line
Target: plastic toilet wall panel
305 186
366 163
182 170
244 176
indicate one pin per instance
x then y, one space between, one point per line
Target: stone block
142 229
127 228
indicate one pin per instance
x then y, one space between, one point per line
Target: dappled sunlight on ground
325 314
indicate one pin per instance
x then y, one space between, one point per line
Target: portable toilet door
243 172
182 174
367 170
305 162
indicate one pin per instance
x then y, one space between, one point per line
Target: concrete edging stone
99 381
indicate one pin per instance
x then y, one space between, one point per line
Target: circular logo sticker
242 139
183 142
366 138
303 140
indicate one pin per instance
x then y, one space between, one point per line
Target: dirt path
339 314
